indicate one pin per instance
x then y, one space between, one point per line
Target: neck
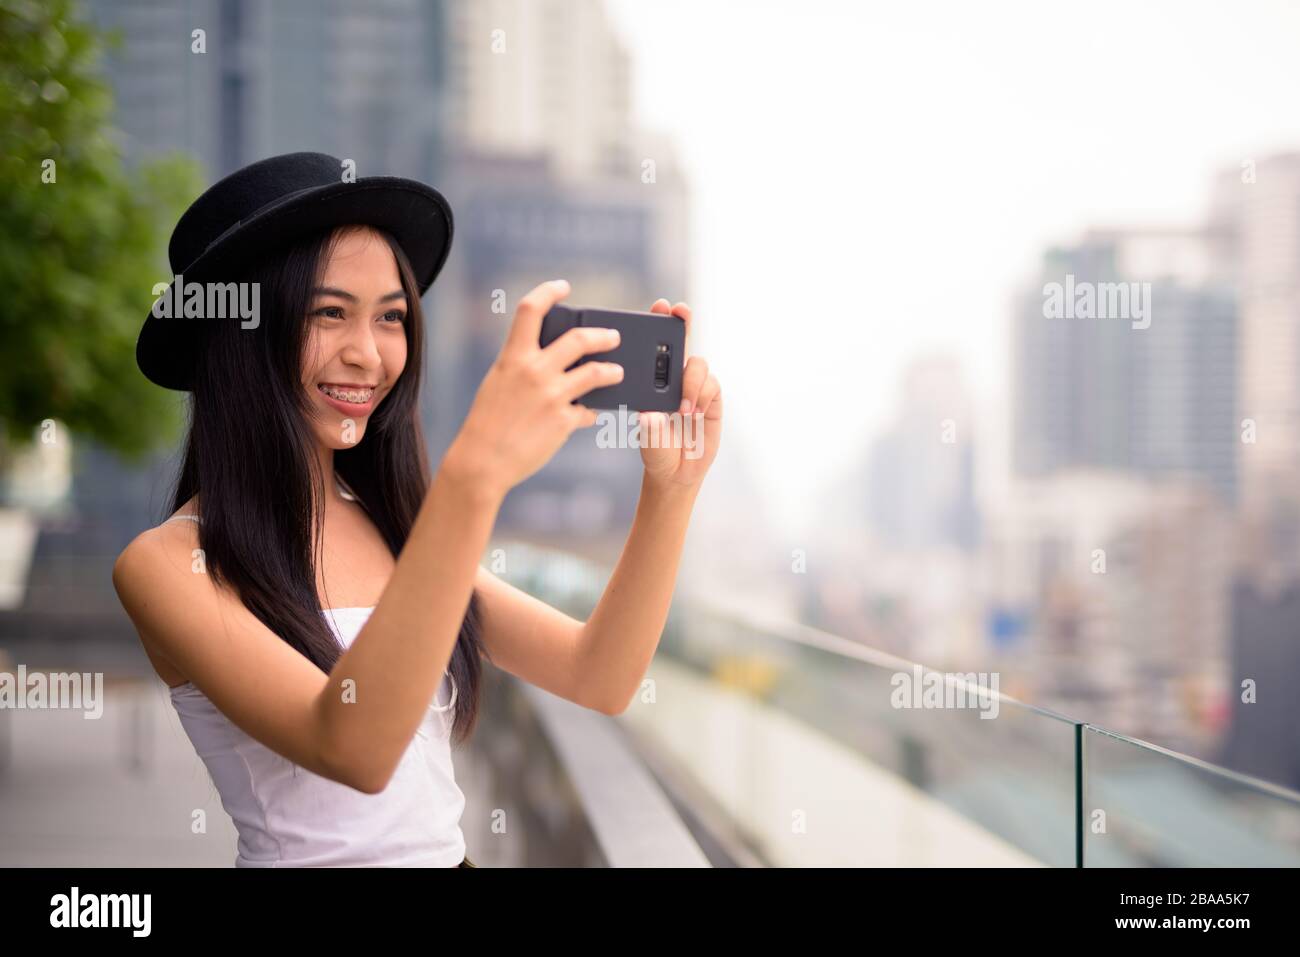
325 459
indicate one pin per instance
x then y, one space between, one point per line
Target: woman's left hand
677 449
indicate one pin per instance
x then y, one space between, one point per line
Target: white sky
871 181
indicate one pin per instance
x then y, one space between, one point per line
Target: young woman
315 602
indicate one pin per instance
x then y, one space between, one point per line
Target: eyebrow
344 294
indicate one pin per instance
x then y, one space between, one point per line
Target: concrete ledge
633 819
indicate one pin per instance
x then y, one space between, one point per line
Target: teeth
355 396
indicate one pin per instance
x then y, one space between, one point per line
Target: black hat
267 204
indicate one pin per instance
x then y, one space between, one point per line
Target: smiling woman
300 503
315 603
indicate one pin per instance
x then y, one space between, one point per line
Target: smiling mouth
355 395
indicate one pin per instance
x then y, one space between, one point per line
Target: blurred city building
1265 666
1206 396
357 81
542 76
1118 588
1257 206
1155 399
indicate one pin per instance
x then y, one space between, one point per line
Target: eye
330 312
394 315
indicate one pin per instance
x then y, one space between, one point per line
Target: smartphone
651 350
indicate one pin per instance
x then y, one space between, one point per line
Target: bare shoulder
153 556
197 630
155 578
166 543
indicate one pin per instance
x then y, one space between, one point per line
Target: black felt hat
265 205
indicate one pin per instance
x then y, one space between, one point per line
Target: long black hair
250 456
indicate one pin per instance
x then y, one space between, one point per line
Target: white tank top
287 816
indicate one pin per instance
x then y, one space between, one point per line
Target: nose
359 347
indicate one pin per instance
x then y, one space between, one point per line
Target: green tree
83 239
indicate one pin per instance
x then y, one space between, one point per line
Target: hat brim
417 215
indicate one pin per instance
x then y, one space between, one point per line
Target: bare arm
377 694
598 663
623 630
276 695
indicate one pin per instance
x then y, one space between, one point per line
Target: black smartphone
651 350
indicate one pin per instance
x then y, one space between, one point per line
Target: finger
708 393
590 375
526 329
655 431
697 371
581 417
578 342
662 306
684 312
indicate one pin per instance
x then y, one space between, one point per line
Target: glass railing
820 751
1148 807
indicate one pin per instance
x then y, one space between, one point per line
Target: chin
344 437
337 431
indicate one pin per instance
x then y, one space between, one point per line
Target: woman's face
356 346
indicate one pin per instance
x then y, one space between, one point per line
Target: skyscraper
541 76
1258 206
1153 393
359 81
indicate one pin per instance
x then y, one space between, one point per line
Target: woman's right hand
524 410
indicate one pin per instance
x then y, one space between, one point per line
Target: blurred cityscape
1142 562
1137 562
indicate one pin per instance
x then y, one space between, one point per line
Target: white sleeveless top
288 816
